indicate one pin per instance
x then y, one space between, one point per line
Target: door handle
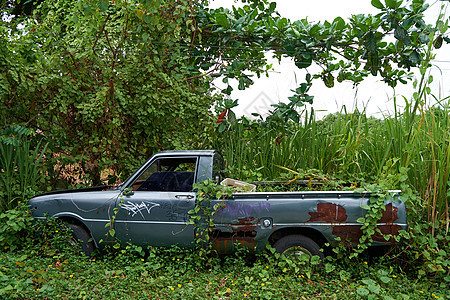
187 197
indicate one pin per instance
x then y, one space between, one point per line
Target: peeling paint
226 245
389 215
353 233
245 224
328 212
242 231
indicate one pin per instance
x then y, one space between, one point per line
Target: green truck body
152 209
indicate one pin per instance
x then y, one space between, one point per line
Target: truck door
155 212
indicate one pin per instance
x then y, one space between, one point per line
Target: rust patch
245 224
242 232
224 242
351 233
227 245
328 212
389 215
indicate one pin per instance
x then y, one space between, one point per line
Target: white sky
372 94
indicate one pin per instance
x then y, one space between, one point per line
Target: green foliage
110 234
345 49
101 79
20 166
15 227
104 81
209 200
176 273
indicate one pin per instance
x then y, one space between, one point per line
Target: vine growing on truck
202 216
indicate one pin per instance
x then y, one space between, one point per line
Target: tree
110 82
233 44
105 82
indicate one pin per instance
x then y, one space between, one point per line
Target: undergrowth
174 273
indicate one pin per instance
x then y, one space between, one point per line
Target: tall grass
349 145
19 166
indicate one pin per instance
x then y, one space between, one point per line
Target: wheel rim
298 253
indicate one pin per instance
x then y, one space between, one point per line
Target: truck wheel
80 234
292 246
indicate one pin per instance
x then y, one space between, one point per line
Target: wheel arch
71 219
313 234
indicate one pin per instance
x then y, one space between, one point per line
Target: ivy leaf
103 5
362 291
377 4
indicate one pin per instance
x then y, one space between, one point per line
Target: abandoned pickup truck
152 209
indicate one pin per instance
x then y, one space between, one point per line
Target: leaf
377 4
374 288
438 42
338 23
393 3
368 281
241 84
424 38
147 19
221 19
362 291
400 33
370 41
328 79
414 57
303 60
139 14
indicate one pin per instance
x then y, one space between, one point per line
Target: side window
168 175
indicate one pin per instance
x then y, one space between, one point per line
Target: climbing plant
210 200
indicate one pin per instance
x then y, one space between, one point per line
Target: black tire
80 234
295 245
